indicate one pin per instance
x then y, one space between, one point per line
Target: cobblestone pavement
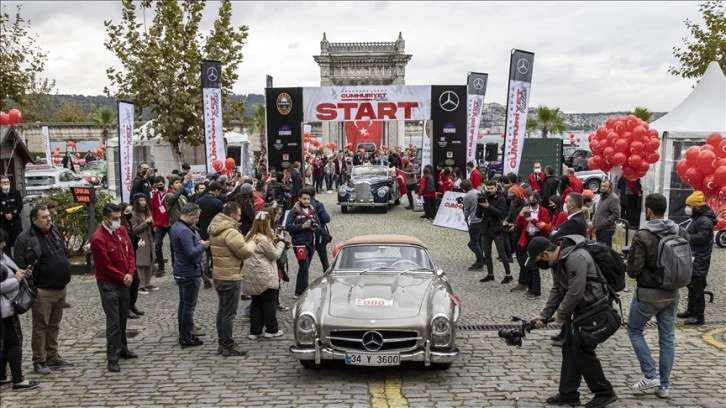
488 372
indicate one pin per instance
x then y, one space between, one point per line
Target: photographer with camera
576 286
301 223
470 205
492 208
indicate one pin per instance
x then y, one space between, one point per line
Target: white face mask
6 189
115 224
565 208
537 171
689 211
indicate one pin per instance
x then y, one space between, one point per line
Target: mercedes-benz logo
212 74
522 66
372 341
478 83
449 101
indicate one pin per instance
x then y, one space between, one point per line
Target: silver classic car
382 302
369 186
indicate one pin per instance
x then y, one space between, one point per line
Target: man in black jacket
210 205
11 206
701 232
141 183
550 185
492 212
576 223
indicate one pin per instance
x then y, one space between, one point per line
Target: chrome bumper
426 355
363 204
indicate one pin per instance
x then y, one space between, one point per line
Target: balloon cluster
224 167
704 167
12 118
311 144
573 139
624 141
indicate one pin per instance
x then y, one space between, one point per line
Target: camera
313 225
481 198
513 336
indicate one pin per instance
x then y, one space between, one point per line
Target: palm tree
257 125
531 126
549 121
104 118
641 113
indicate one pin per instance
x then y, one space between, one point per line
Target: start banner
520 85
366 103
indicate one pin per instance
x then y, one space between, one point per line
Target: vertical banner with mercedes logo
476 87
284 112
520 84
126 148
448 137
212 105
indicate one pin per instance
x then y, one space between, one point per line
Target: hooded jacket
701 231
571 289
260 270
228 247
643 258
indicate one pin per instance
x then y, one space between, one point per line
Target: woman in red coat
531 220
427 190
558 215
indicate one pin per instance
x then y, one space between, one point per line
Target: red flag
364 131
401 180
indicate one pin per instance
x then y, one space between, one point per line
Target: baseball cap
536 246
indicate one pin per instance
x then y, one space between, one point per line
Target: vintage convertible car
381 303
369 186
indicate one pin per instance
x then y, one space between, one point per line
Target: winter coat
575 224
607 212
11 203
228 247
143 230
210 206
188 251
293 224
701 232
492 216
260 270
549 188
174 202
8 286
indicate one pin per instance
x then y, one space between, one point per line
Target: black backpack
609 262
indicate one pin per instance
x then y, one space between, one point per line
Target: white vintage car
41 179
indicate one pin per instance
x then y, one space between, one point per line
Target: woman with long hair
261 279
142 226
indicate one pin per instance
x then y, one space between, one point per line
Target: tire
310 364
721 239
397 202
593 185
344 210
440 366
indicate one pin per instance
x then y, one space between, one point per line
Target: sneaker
558 343
295 296
233 352
198 332
194 343
600 401
507 279
152 288
143 291
559 399
41 368
663 392
693 321
531 296
475 267
275 334
58 362
518 288
282 307
487 278
25 385
646 383
684 315
254 336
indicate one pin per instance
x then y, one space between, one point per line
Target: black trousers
322 251
264 312
11 350
498 239
578 362
696 298
409 194
115 302
134 290
430 207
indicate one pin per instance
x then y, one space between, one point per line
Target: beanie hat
246 188
696 199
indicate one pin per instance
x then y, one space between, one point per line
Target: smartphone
278 230
527 214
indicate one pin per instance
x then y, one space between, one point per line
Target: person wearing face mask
532 219
492 212
161 222
113 255
607 213
142 183
142 226
558 213
703 220
11 205
537 177
576 285
550 186
126 214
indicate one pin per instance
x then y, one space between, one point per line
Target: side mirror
439 272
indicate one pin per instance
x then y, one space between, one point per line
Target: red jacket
575 183
158 209
258 200
422 187
113 257
475 178
534 183
543 215
558 218
565 192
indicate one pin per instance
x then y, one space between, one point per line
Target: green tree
641 113
257 125
162 63
708 42
70 111
549 120
22 62
104 118
531 125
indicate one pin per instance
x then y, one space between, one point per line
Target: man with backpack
577 285
650 298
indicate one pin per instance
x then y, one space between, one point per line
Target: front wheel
721 239
593 185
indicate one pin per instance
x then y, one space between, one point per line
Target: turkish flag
301 253
364 131
400 179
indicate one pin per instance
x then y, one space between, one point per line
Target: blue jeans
606 237
188 293
475 243
665 315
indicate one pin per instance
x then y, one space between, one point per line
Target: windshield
32 181
369 171
96 165
370 257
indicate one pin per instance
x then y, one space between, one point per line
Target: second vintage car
382 302
369 186
95 173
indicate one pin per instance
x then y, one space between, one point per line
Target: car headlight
305 329
440 331
342 192
382 192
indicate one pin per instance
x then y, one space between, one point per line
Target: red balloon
621 145
14 117
721 149
613 137
572 135
636 147
78 155
601 131
644 167
56 160
708 147
719 176
229 163
610 122
693 177
692 155
619 126
652 157
710 188
639 131
57 148
577 140
56 154
103 147
608 153
681 168
592 163
635 161
706 161
599 161
99 152
653 133
652 145
4 119
720 163
720 225
619 158
714 139
218 165
69 144
596 147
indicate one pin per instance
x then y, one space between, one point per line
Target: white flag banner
451 213
426 157
476 86
369 103
126 148
46 143
520 84
212 106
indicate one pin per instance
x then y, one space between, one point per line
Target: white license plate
372 359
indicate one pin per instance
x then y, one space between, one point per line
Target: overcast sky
589 56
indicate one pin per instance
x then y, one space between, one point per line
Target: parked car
39 179
95 173
369 186
591 179
576 158
381 303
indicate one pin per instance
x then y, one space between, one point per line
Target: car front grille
362 192
358 340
